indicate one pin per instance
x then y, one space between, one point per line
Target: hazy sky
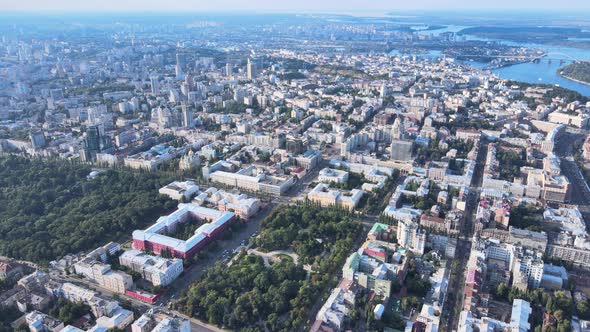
287 6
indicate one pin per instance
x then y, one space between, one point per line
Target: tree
409 302
564 326
583 309
549 307
395 286
559 315
79 213
502 290
67 311
247 294
215 313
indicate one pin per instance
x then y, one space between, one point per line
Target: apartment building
109 314
579 120
411 236
157 270
325 196
103 275
329 175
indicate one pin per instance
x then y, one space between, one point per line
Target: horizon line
347 12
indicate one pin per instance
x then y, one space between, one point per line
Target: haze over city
289 6
291 166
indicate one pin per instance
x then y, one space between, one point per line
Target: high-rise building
95 141
187 116
155 85
181 59
401 149
179 73
528 268
188 80
37 139
251 70
397 131
228 69
410 236
92 142
383 91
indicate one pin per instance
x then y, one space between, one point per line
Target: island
577 71
563 36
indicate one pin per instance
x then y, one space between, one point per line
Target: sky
289 5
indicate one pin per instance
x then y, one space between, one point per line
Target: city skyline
359 7
310 166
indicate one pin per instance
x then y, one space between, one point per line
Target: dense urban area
288 173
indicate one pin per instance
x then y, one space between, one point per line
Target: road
302 185
196 325
225 249
580 194
452 307
221 250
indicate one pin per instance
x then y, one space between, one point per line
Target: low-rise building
10 270
180 190
519 320
333 312
154 238
323 195
329 175
109 314
157 270
150 160
161 321
579 120
40 322
240 204
103 275
252 179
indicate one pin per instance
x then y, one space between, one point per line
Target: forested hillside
578 70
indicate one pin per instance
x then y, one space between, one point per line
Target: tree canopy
249 296
48 208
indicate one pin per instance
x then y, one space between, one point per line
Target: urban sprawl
446 198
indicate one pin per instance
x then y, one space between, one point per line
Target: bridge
531 57
569 57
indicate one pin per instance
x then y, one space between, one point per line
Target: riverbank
572 79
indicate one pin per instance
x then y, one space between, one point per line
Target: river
545 71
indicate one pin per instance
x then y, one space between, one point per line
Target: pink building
146 297
155 240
